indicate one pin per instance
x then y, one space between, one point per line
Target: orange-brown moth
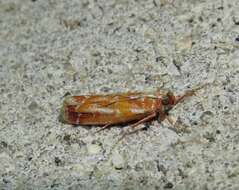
112 109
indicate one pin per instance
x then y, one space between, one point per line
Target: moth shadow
119 126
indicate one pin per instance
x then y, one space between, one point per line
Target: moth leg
147 118
170 120
176 126
102 128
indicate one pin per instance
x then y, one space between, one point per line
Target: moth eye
166 109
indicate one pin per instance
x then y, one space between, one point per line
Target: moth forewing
108 109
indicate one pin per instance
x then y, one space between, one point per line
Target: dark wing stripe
115 101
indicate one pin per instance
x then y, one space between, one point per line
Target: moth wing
105 109
105 102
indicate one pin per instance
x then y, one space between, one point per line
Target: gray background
49 49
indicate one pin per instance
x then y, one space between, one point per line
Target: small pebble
33 106
184 43
237 39
118 161
173 70
6 163
93 149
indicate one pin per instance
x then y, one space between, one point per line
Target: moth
122 108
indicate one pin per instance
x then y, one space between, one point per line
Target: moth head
168 101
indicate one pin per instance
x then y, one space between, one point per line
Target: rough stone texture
52 48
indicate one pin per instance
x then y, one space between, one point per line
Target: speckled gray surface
52 48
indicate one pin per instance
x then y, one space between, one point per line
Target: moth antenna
189 93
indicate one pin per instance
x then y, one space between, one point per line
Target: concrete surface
52 48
